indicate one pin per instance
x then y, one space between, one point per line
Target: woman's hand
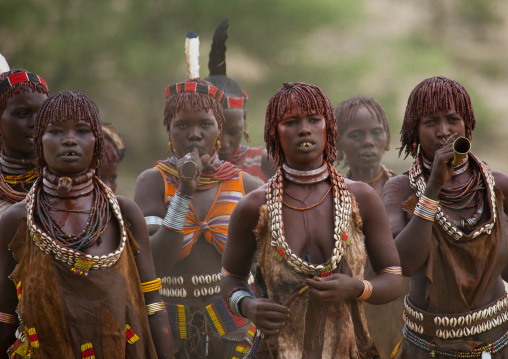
189 169
442 169
335 288
267 315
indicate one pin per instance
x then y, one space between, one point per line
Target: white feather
192 57
4 66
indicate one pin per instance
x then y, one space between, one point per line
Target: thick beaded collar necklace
342 215
418 184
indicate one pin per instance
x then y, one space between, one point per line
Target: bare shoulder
398 187
9 222
148 178
249 183
250 203
363 192
128 207
149 192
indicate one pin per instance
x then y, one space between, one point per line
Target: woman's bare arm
159 322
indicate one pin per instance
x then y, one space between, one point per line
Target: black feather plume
217 57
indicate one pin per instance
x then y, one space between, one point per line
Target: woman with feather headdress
187 200
253 160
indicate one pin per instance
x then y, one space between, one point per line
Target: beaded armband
426 208
393 270
8 318
225 273
151 286
367 291
155 307
234 301
177 212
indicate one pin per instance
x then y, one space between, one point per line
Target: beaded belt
191 285
421 343
218 316
449 326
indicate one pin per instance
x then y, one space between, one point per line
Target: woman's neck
15 166
365 174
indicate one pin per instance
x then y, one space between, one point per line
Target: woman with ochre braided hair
305 226
21 95
114 150
252 160
450 228
80 258
187 200
364 138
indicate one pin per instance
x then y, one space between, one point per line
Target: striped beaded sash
218 317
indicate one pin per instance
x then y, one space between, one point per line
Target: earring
218 144
246 136
170 145
469 138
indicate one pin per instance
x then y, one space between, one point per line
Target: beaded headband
13 79
196 87
235 102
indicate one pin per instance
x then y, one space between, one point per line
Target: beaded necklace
20 173
342 215
81 263
223 171
418 184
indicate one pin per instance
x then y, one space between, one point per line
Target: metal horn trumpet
461 146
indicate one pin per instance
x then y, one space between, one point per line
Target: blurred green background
122 54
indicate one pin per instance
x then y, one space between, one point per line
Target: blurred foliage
122 53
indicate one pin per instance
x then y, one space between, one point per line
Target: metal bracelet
177 212
153 220
235 299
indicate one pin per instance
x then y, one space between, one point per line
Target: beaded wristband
393 270
8 318
225 273
151 286
367 291
177 212
184 195
235 299
155 307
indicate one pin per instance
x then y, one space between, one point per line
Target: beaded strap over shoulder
418 184
80 261
342 206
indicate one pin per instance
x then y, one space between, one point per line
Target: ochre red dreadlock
68 106
195 101
20 87
311 99
428 97
346 112
110 154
